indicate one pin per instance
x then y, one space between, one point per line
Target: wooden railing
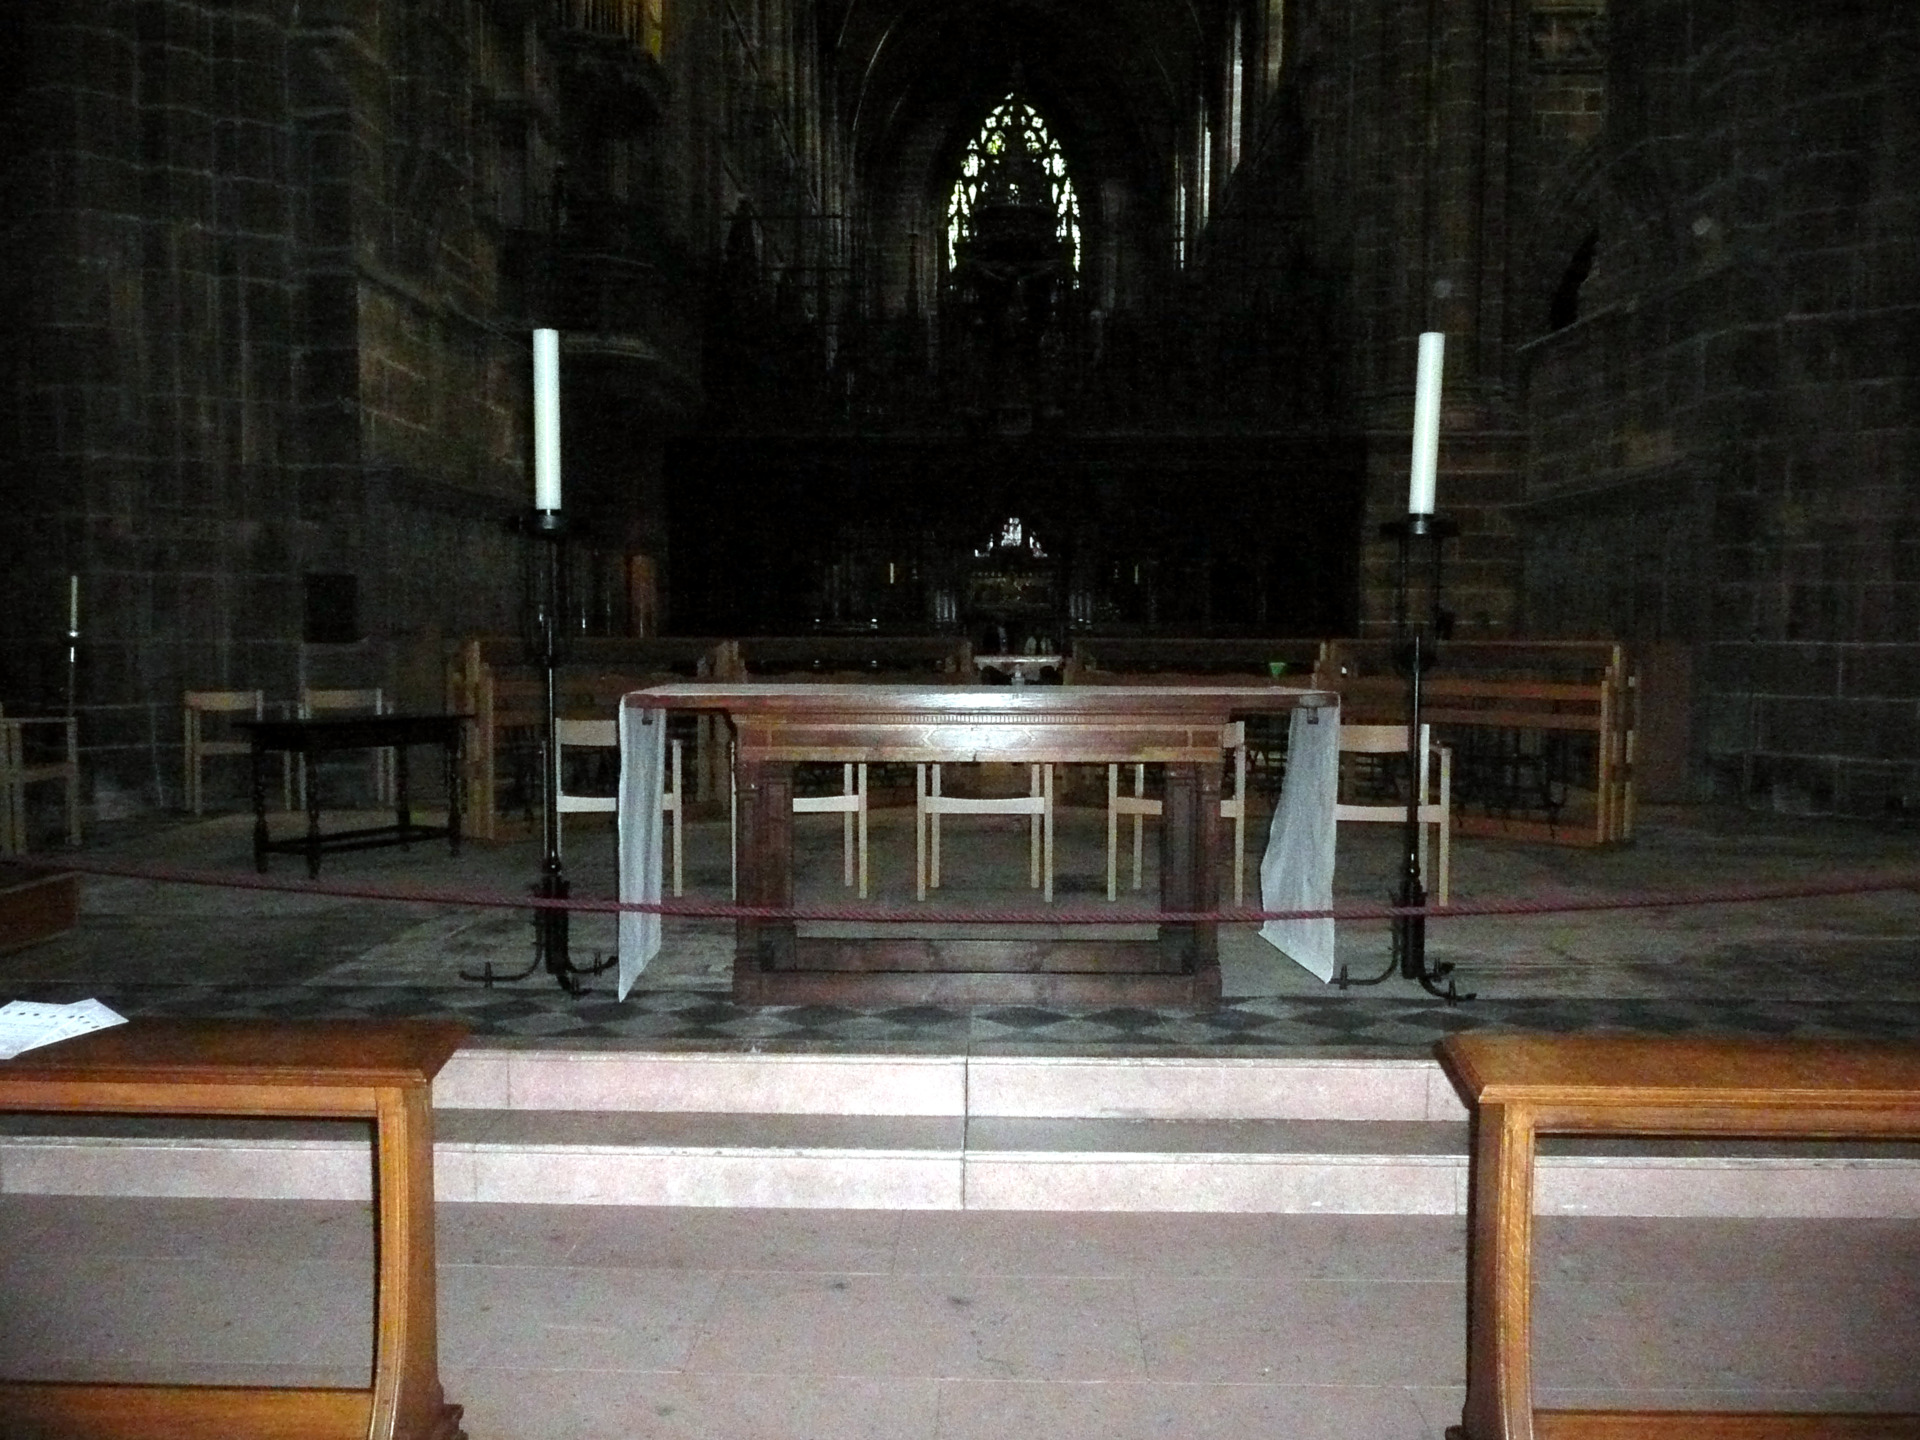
1152 654
1542 731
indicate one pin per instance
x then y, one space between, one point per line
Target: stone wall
1724 442
149 241
262 340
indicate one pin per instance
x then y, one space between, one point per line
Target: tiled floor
1847 964
585 1323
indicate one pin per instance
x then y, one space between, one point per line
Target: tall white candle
73 604
1426 424
546 419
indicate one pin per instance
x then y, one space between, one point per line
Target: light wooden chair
1436 801
930 804
18 771
347 702
196 706
605 735
1138 807
851 806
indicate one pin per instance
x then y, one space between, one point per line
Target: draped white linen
643 758
1296 873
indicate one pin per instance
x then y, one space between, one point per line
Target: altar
779 726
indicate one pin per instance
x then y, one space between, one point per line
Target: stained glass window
1009 160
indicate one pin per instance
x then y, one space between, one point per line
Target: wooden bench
490 679
1521 1086
361 1069
1542 731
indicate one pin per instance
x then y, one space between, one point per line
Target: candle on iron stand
546 420
73 638
1416 629
1426 424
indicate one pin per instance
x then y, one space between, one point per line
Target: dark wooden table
378 1070
780 726
325 735
1521 1086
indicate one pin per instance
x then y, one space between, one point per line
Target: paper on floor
29 1024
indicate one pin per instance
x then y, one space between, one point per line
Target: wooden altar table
780 726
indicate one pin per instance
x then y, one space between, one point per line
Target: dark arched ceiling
1113 78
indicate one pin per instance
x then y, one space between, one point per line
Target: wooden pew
1514 709
490 678
1521 1086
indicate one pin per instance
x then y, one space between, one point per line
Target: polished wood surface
778 726
179 1412
376 1070
1521 1086
1708 1425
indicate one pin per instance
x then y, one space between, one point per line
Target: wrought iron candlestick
1415 648
545 619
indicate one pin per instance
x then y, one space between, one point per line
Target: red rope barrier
720 910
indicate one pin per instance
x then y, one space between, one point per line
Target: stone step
747 1081
740 1159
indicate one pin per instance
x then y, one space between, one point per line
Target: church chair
1381 744
196 706
930 804
18 770
1137 806
604 735
851 806
347 702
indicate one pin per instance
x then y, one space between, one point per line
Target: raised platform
953 1132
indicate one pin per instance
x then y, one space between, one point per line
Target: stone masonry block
1881 671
